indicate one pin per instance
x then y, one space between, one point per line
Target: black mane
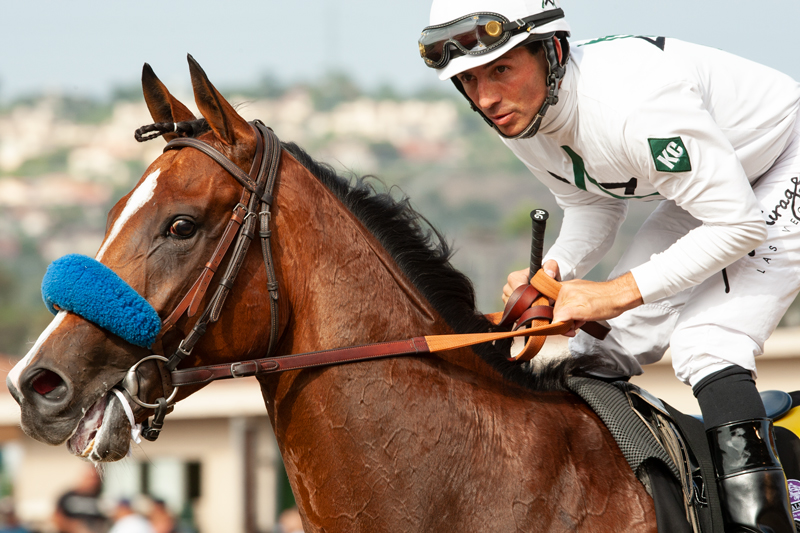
424 255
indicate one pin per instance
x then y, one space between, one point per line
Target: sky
90 46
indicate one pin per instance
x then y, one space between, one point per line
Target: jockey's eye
183 228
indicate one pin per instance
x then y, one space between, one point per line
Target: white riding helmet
445 13
464 34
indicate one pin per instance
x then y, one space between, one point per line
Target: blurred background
342 79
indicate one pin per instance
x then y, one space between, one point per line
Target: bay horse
462 440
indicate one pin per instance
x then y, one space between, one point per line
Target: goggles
476 34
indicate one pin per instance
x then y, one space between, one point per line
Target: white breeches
726 319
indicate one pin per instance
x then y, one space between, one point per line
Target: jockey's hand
581 301
520 277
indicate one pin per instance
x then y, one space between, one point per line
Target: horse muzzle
100 432
45 397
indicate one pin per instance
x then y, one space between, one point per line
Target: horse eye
182 228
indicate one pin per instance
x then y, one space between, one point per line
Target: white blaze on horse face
138 199
13 376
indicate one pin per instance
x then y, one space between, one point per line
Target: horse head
157 239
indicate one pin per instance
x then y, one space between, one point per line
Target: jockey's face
509 90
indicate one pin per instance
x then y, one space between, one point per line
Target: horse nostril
48 384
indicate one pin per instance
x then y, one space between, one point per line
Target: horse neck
348 422
343 287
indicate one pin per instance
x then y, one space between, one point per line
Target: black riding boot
750 478
752 485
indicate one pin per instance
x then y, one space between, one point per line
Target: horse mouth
98 434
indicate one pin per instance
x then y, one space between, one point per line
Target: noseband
255 202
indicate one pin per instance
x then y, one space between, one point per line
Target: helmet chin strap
555 74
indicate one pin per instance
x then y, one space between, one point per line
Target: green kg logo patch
670 155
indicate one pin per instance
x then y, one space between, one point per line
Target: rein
541 284
524 313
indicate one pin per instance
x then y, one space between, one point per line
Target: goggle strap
529 23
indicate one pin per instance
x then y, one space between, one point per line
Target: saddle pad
634 439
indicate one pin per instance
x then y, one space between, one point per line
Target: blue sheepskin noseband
90 289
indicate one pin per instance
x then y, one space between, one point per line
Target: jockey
713 137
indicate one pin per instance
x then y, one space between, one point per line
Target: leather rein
527 312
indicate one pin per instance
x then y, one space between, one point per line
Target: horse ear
162 105
227 124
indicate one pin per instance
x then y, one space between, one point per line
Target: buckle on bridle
245 372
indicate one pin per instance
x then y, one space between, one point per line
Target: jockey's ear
228 126
162 105
559 50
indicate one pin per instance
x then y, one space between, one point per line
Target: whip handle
539 218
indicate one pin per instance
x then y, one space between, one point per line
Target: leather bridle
255 202
258 186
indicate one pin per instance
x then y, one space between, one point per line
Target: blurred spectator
289 522
78 510
126 520
161 518
8 518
